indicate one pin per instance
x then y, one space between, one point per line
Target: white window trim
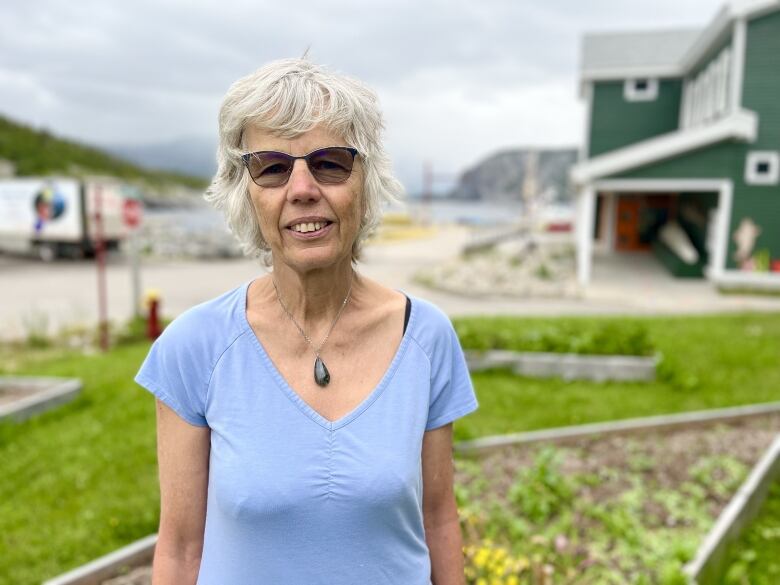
632 94
756 157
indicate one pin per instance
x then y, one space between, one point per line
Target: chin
313 259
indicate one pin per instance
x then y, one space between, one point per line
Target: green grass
755 558
706 362
81 481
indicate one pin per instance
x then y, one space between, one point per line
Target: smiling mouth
311 227
324 228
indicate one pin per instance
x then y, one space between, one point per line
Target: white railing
706 96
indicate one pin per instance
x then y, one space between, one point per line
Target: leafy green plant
606 337
541 490
721 473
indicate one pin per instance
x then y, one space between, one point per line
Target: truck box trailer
53 218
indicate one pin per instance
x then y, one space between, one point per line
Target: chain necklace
321 374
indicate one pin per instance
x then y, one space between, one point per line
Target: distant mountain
194 155
34 152
511 174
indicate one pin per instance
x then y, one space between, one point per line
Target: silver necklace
321 373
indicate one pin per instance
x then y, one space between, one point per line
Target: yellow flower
512 580
480 559
482 581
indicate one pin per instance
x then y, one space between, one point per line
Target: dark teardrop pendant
321 373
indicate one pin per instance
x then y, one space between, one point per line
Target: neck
315 296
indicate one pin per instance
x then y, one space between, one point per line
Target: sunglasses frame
246 157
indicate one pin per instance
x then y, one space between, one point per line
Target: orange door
627 230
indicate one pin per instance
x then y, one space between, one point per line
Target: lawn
706 362
81 481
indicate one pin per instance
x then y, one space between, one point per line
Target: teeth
308 227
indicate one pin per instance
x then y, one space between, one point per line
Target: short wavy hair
287 98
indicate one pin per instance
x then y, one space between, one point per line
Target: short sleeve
452 392
174 372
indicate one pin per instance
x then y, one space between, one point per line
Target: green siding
761 87
721 161
615 122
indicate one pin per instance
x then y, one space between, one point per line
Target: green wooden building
681 157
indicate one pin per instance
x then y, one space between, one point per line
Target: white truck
53 218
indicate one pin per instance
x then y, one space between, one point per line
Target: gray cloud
457 79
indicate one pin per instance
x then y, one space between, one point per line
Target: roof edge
710 34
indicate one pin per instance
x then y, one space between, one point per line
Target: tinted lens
331 165
269 169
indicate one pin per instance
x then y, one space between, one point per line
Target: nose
301 186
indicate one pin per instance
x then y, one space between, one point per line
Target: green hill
34 152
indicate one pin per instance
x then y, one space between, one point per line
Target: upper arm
183 459
438 472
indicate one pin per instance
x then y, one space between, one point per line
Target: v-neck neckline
296 398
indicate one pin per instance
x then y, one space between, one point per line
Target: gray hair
287 98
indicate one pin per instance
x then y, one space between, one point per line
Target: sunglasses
329 165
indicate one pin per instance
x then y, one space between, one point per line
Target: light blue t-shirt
293 498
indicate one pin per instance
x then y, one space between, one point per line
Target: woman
305 417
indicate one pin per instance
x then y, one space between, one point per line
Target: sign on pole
132 212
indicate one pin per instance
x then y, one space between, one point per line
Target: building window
640 90
763 168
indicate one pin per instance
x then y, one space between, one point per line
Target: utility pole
100 256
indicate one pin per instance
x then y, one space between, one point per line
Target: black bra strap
408 312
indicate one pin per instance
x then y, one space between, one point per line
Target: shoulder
208 327
429 314
430 326
180 362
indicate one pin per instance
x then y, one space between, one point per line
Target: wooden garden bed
22 397
603 509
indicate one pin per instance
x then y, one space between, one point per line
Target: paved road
66 292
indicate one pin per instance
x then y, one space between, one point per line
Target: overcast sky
457 80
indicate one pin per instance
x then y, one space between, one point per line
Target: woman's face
278 209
